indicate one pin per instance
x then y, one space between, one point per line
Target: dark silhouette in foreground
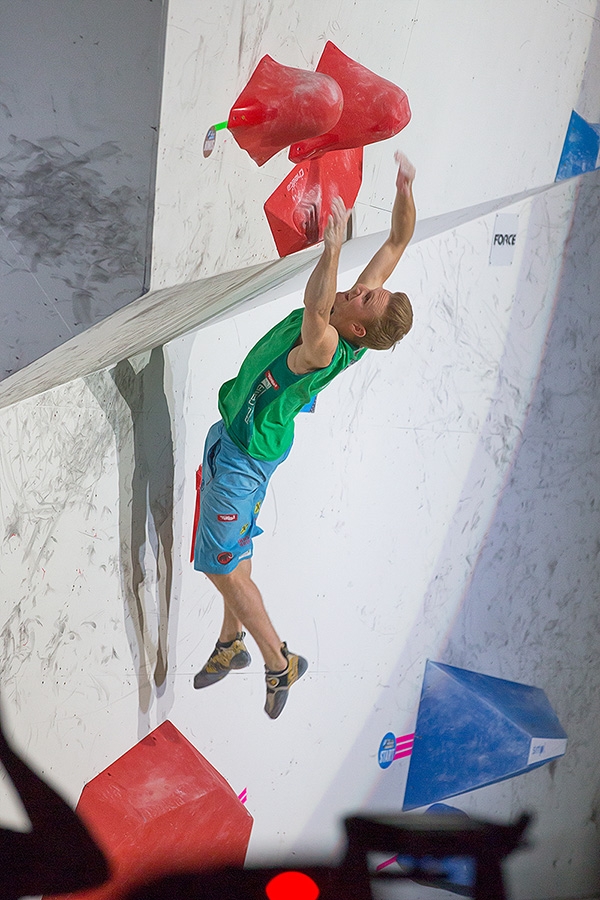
427 839
58 855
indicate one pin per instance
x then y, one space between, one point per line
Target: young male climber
294 361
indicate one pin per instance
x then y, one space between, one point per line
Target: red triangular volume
159 808
374 108
297 210
281 105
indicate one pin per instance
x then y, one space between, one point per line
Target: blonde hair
389 328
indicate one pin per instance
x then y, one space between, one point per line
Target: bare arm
403 225
58 854
319 338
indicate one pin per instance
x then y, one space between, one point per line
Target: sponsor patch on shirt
272 381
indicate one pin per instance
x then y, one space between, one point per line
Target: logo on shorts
224 558
227 517
245 528
243 542
257 507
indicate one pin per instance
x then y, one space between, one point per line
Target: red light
292 886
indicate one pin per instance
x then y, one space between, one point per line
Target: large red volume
280 105
297 211
162 808
374 108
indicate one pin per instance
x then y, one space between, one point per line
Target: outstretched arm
403 225
58 854
319 338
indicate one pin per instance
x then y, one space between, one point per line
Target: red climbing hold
374 108
281 105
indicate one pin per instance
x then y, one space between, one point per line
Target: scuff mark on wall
58 210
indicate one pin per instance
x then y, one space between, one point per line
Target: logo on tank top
267 382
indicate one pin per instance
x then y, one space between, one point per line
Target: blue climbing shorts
231 494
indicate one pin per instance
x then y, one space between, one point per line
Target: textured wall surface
532 604
485 81
79 104
377 530
439 503
80 153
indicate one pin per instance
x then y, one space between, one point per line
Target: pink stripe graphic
388 862
405 753
243 796
404 745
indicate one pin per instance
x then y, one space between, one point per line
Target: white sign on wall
504 239
541 749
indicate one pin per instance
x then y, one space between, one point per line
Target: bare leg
244 605
231 626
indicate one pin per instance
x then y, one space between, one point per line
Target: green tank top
258 407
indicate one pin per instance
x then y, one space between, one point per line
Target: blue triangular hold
474 730
580 149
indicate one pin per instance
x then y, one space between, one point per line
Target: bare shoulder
311 354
